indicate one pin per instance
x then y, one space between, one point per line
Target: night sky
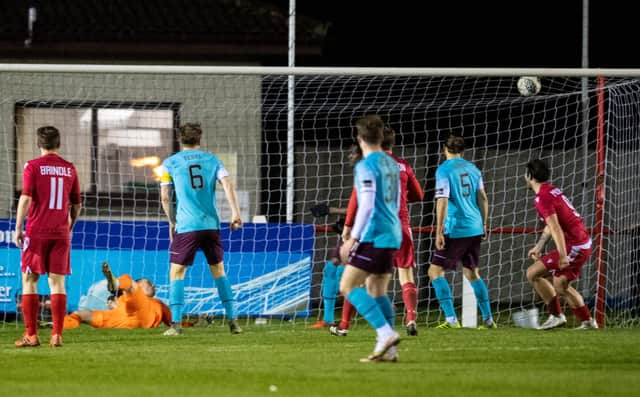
518 33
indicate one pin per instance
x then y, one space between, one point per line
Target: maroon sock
410 299
348 311
582 313
30 308
58 311
554 306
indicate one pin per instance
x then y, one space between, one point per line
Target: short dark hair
370 129
538 170
389 138
190 134
48 137
455 144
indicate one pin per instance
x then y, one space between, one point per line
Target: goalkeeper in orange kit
136 306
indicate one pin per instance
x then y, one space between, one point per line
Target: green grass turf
301 362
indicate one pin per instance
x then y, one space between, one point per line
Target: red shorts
404 257
42 256
578 256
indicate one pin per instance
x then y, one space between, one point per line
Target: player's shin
443 293
30 305
176 300
58 311
410 299
482 297
329 291
370 310
387 309
226 296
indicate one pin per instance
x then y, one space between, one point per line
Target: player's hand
534 253
439 241
172 231
346 233
236 223
563 262
18 239
345 250
319 210
485 232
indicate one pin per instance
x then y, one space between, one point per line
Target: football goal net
287 148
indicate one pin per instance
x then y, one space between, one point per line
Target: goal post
118 122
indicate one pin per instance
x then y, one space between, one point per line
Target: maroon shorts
578 256
184 246
372 260
404 257
42 256
464 249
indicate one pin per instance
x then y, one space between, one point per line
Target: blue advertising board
268 265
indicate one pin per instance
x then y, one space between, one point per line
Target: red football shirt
52 184
550 200
410 191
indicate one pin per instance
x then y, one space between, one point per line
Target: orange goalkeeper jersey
134 310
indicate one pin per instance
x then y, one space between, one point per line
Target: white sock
452 320
385 332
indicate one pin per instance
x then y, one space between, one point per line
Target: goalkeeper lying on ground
136 306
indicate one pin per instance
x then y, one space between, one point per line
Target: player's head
538 171
190 134
48 138
147 286
454 144
370 130
389 138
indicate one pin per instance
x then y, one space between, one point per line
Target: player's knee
435 272
560 286
532 274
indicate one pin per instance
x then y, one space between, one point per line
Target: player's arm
534 253
558 238
366 184
28 183
21 213
352 208
166 199
483 204
74 199
232 198
414 190
442 206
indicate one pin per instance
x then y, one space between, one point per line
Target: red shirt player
51 195
573 248
404 258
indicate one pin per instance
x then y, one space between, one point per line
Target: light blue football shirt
193 174
379 172
459 180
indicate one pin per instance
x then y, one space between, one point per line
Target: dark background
541 33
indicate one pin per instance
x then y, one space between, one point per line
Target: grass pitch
285 359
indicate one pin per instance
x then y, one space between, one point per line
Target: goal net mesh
118 127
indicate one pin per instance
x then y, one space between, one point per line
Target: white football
529 85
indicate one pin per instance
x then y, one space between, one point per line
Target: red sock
410 299
348 311
30 308
58 311
554 306
582 313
